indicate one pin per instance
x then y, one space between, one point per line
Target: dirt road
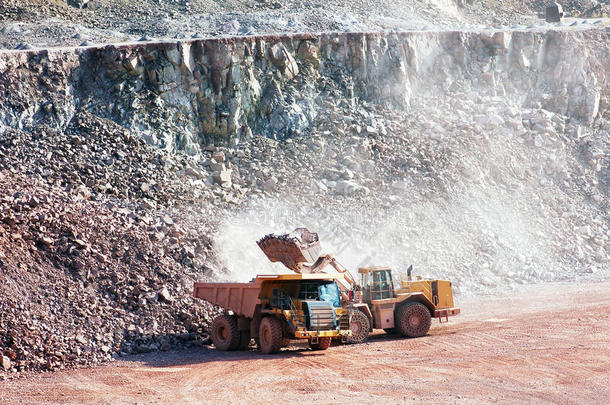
545 344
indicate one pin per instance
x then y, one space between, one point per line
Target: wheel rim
266 335
356 327
414 320
222 332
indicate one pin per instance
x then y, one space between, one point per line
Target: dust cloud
507 208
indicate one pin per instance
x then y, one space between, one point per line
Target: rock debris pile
97 257
471 188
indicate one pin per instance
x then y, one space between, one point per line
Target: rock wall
186 94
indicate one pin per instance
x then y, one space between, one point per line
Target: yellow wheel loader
374 303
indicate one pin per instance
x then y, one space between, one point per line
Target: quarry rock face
184 95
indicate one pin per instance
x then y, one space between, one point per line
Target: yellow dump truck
272 309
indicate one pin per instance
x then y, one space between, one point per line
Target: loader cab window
377 285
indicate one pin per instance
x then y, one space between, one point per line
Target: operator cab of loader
376 283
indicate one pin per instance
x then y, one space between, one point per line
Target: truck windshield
330 292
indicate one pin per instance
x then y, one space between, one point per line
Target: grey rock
192 172
78 3
217 166
5 362
164 295
222 176
25 47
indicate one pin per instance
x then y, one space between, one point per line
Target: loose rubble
93 265
70 22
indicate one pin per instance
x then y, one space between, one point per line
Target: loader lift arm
324 261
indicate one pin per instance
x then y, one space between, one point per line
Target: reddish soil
545 344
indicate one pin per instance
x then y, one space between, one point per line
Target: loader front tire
323 343
360 327
270 335
225 334
413 319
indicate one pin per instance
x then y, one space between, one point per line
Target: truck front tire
270 335
413 319
225 334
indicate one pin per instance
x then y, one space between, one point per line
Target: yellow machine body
251 300
379 293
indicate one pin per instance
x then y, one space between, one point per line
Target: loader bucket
292 249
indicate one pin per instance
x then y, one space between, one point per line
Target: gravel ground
503 349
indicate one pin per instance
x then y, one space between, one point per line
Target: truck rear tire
413 319
225 334
323 343
360 327
270 335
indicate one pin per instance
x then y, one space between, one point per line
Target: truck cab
311 307
272 309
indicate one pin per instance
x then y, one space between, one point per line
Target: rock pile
101 238
82 280
473 188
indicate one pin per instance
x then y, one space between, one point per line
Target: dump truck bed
241 298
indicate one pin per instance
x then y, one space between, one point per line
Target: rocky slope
94 258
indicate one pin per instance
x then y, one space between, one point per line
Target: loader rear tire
225 334
323 343
360 327
270 335
413 319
